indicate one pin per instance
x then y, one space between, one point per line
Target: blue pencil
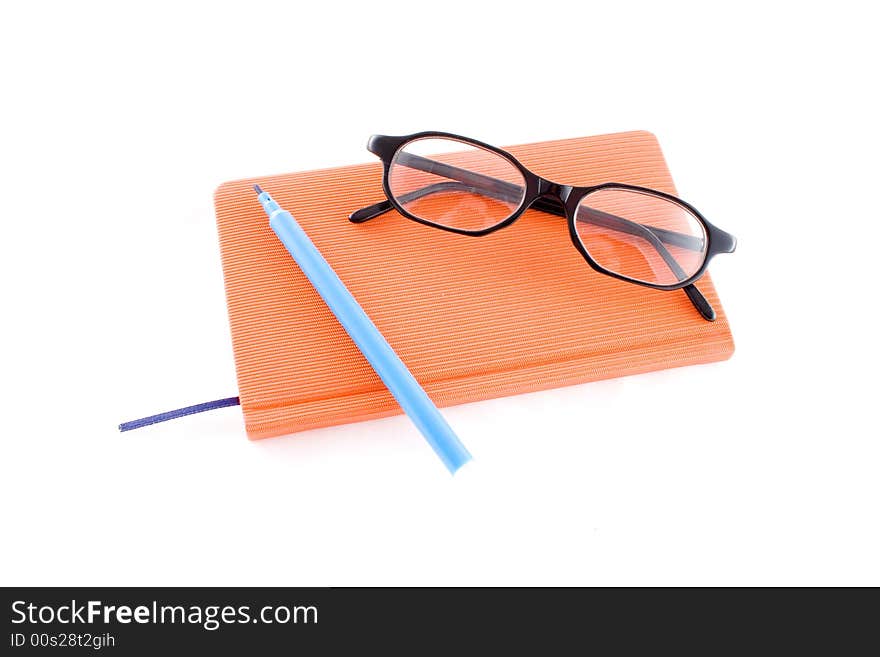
394 374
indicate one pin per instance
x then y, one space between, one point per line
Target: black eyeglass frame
552 197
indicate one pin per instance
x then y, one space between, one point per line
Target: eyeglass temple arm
510 192
596 216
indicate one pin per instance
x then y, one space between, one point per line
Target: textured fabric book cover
472 317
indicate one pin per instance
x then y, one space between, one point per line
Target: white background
117 125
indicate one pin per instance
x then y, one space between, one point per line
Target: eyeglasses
631 233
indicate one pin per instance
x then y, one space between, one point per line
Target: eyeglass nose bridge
550 189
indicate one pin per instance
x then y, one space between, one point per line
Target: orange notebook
472 317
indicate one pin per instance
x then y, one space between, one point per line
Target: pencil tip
258 189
